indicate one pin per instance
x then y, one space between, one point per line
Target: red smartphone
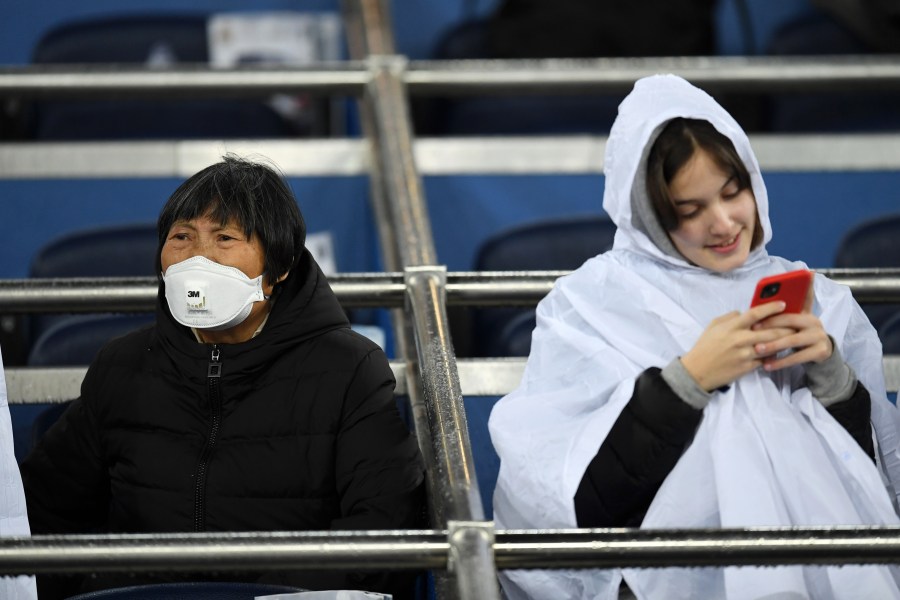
791 288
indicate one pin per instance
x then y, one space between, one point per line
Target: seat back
872 243
889 332
110 251
71 340
817 34
156 41
74 340
553 244
507 115
54 340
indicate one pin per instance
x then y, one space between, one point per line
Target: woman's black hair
254 196
673 148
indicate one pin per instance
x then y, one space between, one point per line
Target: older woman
250 405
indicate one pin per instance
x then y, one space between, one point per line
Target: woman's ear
283 277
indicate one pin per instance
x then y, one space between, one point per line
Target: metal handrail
431 549
357 290
548 76
477 377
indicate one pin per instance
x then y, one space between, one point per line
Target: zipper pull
215 367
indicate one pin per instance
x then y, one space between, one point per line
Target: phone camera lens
770 290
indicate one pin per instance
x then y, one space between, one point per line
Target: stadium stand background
469 207
811 210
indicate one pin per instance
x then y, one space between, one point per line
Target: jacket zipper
213 376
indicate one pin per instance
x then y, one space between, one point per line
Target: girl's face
715 219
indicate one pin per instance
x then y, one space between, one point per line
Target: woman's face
715 219
224 244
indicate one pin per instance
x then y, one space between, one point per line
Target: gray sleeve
684 385
831 380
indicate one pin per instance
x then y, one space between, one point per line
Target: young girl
654 397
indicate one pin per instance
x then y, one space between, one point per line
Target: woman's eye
731 189
181 237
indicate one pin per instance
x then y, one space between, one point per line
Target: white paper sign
281 38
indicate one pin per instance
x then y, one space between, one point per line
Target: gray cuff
684 385
831 380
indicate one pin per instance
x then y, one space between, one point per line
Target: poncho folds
766 452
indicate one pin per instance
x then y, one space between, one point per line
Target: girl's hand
807 339
728 347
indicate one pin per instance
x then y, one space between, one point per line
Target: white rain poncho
13 514
766 452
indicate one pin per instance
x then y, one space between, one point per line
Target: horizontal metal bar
43 385
763 74
127 80
569 155
486 288
429 549
181 159
547 77
394 550
477 377
138 294
694 548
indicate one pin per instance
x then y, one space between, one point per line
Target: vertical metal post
472 558
406 236
457 498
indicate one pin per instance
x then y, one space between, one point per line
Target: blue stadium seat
110 251
73 340
157 40
889 332
507 115
553 244
872 243
189 591
852 110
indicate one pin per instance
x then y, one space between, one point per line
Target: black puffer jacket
300 431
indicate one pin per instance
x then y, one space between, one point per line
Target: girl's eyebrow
679 202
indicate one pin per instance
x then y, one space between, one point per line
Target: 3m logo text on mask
196 298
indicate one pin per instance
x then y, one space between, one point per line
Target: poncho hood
642 115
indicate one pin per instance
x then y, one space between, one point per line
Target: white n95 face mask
206 295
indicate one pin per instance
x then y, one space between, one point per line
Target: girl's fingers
758 313
806 346
795 321
764 336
